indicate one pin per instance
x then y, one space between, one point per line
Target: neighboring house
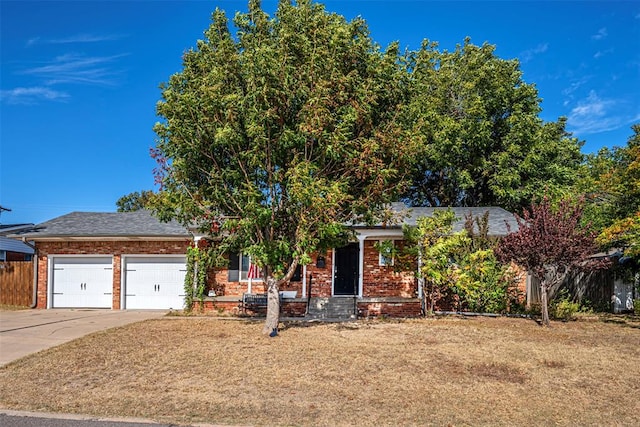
13 250
131 260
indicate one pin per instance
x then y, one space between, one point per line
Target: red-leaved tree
551 243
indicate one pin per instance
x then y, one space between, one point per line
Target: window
3 255
245 264
386 249
239 269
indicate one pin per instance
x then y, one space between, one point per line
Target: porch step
331 308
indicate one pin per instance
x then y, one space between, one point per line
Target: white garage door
155 282
82 282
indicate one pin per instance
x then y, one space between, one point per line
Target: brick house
356 275
132 261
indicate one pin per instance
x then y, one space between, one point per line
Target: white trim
50 281
304 281
382 257
361 240
50 262
333 270
240 270
381 233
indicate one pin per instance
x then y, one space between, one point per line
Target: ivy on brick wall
201 258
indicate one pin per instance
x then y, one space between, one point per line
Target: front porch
319 308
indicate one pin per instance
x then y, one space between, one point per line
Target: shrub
483 284
563 308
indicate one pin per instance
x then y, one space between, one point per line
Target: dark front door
345 280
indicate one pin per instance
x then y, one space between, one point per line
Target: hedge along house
121 260
354 280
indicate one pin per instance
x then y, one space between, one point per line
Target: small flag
254 272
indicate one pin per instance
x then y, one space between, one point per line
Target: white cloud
32 95
74 68
594 115
601 34
602 53
528 55
78 38
33 41
575 85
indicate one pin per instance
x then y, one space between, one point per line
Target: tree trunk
273 308
544 305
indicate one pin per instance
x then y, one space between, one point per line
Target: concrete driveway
28 331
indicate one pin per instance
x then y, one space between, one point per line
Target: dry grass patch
8 307
418 372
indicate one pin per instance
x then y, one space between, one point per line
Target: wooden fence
594 289
16 282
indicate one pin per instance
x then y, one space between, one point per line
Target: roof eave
109 238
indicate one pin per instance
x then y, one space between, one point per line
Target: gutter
34 298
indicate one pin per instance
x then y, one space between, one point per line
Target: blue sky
79 80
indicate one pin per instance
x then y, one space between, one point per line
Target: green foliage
281 134
135 201
458 266
636 306
276 137
439 248
387 248
610 180
563 308
482 142
200 259
484 285
625 234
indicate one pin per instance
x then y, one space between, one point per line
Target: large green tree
610 181
277 136
482 141
135 201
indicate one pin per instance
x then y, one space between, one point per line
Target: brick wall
113 248
321 278
383 281
289 308
378 281
394 307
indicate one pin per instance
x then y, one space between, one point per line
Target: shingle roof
112 224
498 217
7 229
141 224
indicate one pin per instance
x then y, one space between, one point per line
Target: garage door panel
82 282
155 282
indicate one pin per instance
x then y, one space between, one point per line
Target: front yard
444 371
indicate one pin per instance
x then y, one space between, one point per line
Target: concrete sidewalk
28 331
